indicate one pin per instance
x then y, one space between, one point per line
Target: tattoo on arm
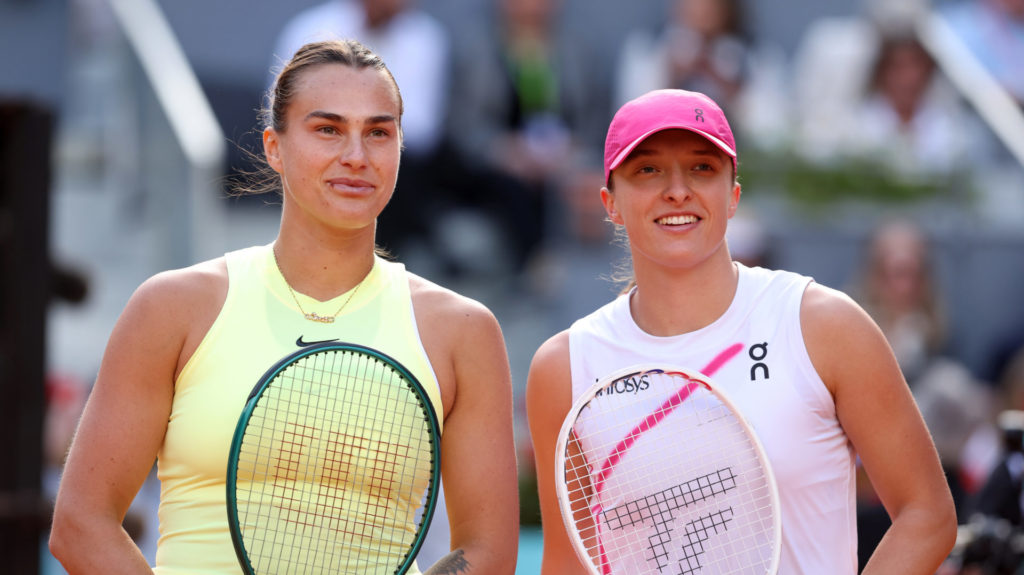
451 564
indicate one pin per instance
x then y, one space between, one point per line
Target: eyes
331 130
648 167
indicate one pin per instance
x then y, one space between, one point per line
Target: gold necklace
314 316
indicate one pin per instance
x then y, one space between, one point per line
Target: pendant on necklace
319 318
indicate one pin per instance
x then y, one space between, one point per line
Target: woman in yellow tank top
185 348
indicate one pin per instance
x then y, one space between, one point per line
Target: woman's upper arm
478 448
125 417
548 399
873 403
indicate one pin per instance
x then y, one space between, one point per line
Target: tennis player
191 344
807 367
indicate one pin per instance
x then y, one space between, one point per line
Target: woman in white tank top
838 394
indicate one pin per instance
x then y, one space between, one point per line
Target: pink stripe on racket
654 418
648 423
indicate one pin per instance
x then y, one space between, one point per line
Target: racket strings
341 462
681 490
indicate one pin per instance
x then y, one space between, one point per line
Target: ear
734 199
608 199
271 148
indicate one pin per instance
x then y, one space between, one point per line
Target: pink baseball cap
661 110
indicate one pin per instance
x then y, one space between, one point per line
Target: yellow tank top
258 325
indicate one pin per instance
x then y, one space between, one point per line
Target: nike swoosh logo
301 343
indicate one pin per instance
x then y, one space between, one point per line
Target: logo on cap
700 115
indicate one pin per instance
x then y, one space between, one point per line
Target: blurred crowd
505 120
503 146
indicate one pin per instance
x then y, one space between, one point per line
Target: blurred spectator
879 118
704 46
909 117
994 31
830 69
897 287
868 90
525 119
417 50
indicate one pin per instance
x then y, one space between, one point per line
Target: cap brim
625 152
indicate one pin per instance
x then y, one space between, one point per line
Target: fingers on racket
335 466
659 473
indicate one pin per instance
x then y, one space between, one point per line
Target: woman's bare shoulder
552 355
176 300
839 334
829 313
189 286
442 304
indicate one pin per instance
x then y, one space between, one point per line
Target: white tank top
756 353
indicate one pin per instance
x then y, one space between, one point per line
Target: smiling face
339 147
674 194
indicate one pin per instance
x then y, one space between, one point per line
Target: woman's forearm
85 548
917 543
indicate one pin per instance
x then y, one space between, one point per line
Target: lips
350 185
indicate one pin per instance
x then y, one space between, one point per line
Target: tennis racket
657 472
334 466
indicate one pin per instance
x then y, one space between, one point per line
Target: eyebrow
332 117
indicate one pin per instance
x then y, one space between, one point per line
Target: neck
320 270
319 259
671 302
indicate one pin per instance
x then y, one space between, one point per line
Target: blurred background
881 152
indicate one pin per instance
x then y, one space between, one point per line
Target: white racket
657 472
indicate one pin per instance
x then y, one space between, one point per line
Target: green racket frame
250 406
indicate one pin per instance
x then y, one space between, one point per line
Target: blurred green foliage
859 179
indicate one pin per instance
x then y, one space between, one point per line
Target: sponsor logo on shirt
758 352
303 343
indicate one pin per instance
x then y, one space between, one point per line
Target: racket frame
562 490
250 405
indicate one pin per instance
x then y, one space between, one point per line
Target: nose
353 153
677 188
